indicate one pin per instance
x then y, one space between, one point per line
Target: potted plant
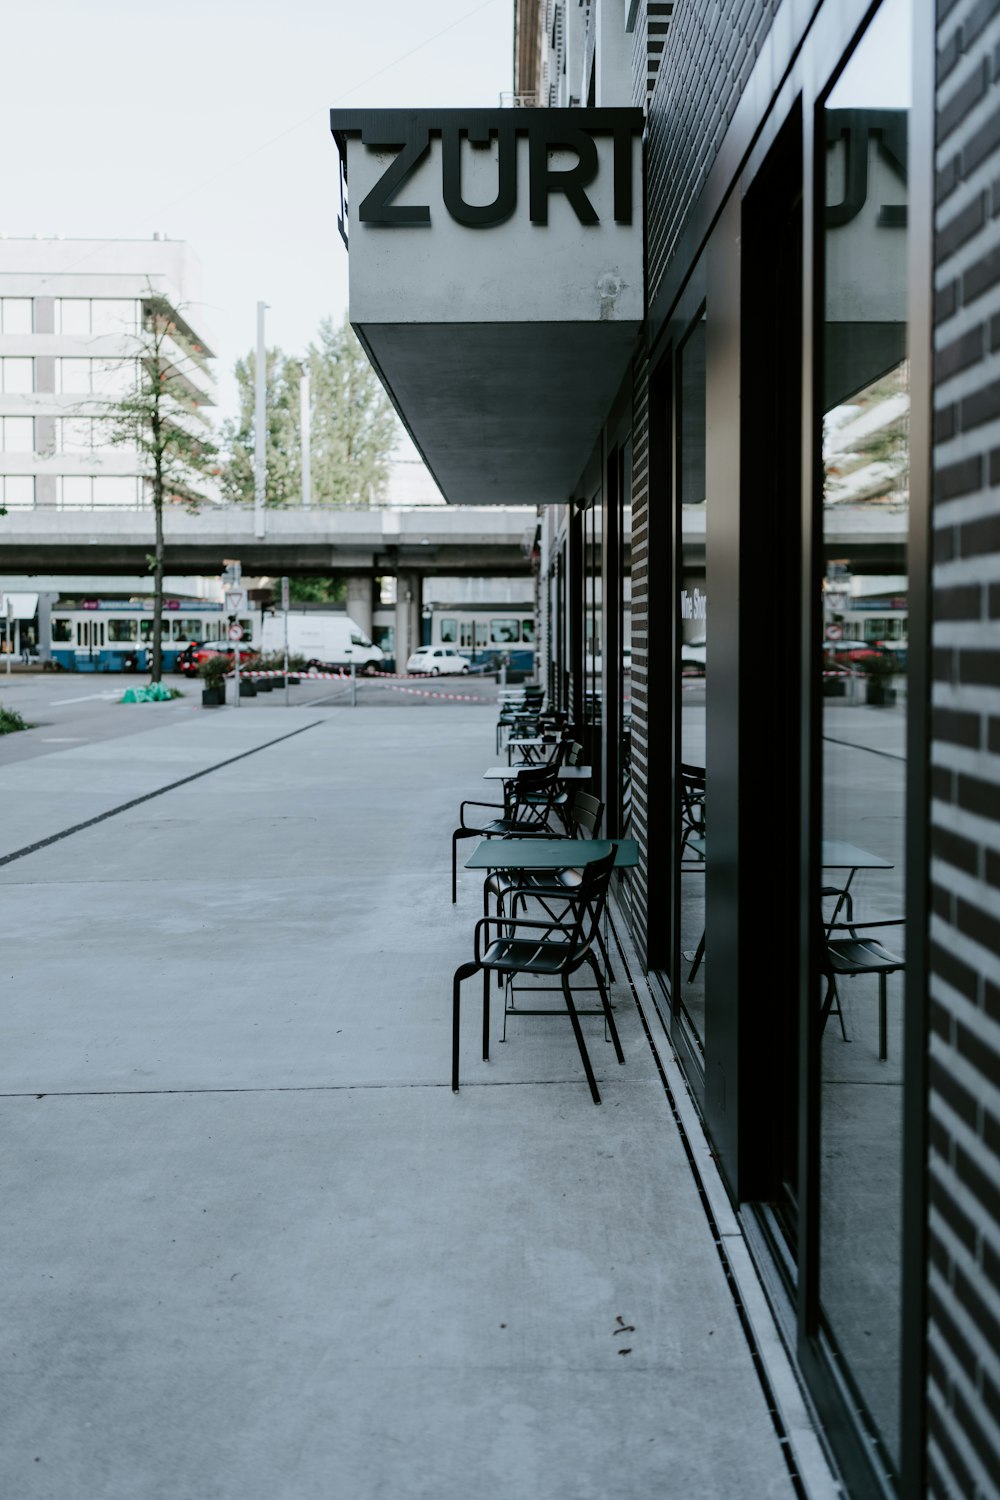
878 690
213 675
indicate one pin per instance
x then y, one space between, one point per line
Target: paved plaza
254 1248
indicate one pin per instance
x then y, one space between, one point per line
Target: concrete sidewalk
254 1248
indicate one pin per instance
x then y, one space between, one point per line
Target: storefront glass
863 578
691 664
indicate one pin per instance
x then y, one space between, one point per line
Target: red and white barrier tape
393 687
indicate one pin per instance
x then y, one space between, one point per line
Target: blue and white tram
116 635
484 633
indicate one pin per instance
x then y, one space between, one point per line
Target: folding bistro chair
524 813
509 946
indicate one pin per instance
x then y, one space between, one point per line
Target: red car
192 657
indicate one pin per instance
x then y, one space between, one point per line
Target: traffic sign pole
284 610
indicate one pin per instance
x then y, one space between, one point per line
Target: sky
207 120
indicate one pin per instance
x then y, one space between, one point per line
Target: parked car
693 655
433 660
192 657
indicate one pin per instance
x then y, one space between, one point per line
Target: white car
435 660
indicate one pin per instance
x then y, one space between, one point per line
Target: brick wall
964 1047
710 51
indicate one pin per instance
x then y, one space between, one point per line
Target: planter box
212 697
878 695
247 689
293 681
835 687
264 684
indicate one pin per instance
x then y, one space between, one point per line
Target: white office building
71 316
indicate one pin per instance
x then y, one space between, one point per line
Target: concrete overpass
477 541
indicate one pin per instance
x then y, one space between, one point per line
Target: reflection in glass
692 633
864 587
625 823
593 659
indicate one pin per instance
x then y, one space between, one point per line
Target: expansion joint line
777 1420
171 786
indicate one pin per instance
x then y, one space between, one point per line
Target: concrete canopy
496 281
502 413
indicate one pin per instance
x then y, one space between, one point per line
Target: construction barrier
394 687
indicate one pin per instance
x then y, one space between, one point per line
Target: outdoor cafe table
838 854
510 773
535 742
549 854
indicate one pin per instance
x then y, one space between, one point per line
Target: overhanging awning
496 280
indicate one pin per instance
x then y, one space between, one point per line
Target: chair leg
699 955
832 995
465 971
486 1015
460 833
883 1029
578 1033
605 956
609 1014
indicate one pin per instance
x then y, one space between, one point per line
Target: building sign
496 282
552 134
694 604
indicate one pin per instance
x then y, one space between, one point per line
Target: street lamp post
260 426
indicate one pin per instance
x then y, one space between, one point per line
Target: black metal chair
552 949
845 958
526 707
524 813
552 887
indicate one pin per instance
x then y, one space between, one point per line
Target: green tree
282 454
160 418
317 590
353 426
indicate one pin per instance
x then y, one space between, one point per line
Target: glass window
865 435
73 316
76 491
114 490
76 434
62 630
112 315
691 636
528 631
19 490
449 629
18 435
187 630
18 375
503 632
482 633
74 376
146 630
16 314
113 377
123 630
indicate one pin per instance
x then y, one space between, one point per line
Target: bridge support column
359 603
45 603
409 598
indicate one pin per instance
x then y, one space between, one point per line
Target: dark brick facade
638 883
712 49
964 1045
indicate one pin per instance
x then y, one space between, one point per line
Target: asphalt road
74 709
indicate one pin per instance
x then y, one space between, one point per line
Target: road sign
834 632
235 601
236 632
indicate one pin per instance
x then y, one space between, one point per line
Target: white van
324 640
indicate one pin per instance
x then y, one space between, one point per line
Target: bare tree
160 418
